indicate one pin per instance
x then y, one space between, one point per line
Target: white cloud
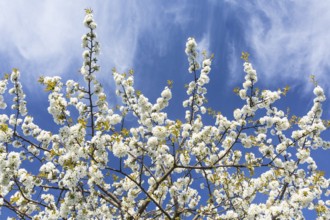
290 39
234 65
40 37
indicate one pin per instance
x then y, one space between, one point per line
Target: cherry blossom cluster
196 89
19 96
95 164
191 51
3 87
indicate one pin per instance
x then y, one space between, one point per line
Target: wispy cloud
40 37
289 39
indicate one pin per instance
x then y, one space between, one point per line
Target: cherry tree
97 166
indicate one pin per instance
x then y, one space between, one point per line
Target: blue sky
287 40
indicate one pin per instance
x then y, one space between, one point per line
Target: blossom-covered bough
95 166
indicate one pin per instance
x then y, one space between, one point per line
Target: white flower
207 62
84 40
92 25
14 160
152 141
159 132
15 75
237 114
184 158
88 19
119 149
85 54
17 144
318 91
166 94
115 119
118 78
